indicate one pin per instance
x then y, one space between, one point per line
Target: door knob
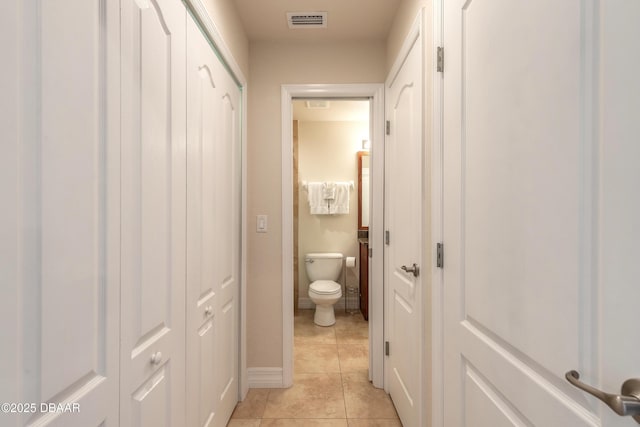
415 269
156 358
625 403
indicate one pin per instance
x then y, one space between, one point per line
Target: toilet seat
325 287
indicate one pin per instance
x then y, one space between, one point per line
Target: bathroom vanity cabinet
363 230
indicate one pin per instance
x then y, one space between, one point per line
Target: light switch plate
261 224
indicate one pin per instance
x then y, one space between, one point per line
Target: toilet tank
323 266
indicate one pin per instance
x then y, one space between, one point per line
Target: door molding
437 221
376 325
199 11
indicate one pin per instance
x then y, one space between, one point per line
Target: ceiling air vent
307 19
317 104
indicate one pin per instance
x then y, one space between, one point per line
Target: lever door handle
414 269
625 403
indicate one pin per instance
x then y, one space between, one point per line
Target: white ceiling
338 111
353 20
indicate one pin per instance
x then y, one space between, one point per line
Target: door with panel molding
403 252
541 210
227 229
213 212
153 213
59 222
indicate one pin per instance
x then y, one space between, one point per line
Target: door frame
437 222
375 92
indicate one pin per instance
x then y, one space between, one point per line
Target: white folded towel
340 204
329 190
317 204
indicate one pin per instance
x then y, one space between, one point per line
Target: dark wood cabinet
364 278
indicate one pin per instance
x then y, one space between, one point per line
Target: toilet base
324 315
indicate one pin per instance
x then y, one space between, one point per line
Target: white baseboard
265 377
305 303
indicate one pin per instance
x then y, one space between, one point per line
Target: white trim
376 245
437 194
305 303
376 293
243 383
202 17
287 238
265 377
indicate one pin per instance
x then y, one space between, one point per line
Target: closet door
227 249
59 222
203 119
153 213
213 213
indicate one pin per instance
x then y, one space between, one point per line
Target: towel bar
305 184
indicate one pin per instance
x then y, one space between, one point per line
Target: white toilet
323 269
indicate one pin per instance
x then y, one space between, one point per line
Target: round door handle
156 358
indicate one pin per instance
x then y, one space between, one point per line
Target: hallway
330 382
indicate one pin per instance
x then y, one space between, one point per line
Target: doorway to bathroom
330 135
330 140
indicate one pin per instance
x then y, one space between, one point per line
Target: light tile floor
330 382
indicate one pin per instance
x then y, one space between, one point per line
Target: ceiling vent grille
307 19
317 104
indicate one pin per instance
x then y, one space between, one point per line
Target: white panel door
541 210
203 118
404 222
59 222
153 213
227 245
213 211
213 234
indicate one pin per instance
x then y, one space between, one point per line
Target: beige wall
225 16
327 152
272 65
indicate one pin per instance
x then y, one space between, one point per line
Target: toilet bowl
323 269
324 294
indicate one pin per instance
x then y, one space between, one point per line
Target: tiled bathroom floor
331 386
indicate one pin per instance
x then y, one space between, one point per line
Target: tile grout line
344 397
341 367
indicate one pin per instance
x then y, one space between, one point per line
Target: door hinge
386 348
440 59
370 252
439 255
388 127
386 237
